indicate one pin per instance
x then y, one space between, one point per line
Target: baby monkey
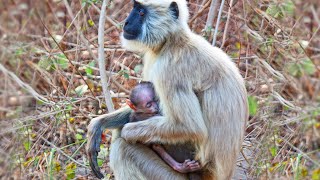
144 103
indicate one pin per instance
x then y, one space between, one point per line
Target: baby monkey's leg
185 167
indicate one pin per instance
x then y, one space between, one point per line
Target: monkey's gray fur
202 97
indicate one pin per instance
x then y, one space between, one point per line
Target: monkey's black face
133 25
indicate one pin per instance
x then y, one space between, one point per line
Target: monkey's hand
187 166
93 146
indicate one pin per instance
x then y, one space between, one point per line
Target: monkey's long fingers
193 165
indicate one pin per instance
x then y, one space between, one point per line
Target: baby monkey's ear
131 105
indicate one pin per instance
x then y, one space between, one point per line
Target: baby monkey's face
143 100
148 103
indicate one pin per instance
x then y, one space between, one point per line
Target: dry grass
50 86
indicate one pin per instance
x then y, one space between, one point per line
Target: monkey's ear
174 9
131 105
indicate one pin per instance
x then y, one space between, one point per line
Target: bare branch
86 42
63 153
211 14
101 58
217 24
227 24
25 86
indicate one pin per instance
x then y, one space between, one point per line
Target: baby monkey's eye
148 105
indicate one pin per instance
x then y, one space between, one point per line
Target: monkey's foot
187 166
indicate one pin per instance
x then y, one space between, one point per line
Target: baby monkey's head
143 99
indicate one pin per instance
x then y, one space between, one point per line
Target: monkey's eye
148 105
141 13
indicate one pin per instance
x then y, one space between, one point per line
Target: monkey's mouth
129 36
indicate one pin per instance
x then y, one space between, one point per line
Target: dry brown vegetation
50 86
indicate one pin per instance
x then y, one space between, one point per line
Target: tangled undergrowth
50 86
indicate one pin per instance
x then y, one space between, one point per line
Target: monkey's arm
111 121
182 120
185 167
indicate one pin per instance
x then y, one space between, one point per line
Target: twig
113 22
217 24
227 24
285 102
274 72
302 153
101 57
245 58
85 41
211 14
315 14
25 86
55 41
63 153
200 12
120 86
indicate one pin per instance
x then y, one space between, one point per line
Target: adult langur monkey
202 97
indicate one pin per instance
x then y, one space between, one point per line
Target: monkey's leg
113 120
138 162
185 167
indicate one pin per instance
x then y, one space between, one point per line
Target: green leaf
294 69
308 66
288 7
297 168
68 108
274 11
304 66
316 174
280 10
39 102
273 151
62 61
89 69
100 162
80 90
57 166
253 105
138 68
51 162
124 73
19 52
45 63
90 22
27 145
70 170
103 154
79 136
